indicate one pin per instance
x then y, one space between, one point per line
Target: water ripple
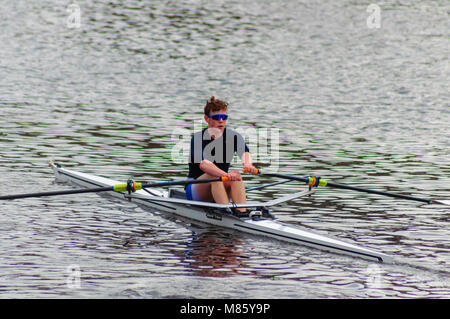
360 106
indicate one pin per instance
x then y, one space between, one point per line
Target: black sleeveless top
220 151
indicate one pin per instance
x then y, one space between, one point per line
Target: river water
353 92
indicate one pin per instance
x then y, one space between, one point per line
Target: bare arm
248 164
211 169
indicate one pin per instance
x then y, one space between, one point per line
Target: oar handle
246 170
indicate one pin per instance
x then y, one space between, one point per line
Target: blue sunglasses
219 117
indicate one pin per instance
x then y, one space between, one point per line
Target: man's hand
249 168
234 176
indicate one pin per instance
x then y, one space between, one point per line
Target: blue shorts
192 194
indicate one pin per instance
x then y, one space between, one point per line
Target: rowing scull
172 201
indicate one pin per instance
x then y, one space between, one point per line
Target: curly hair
214 105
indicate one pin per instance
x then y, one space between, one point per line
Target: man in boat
212 150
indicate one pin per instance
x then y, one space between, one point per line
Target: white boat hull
160 201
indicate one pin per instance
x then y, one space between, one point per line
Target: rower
212 150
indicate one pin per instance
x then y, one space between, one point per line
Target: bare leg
236 191
221 192
212 192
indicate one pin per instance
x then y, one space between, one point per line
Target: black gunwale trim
380 259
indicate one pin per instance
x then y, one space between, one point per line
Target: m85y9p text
227 308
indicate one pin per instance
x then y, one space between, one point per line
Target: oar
317 181
130 187
267 185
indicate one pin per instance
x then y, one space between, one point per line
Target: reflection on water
214 254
